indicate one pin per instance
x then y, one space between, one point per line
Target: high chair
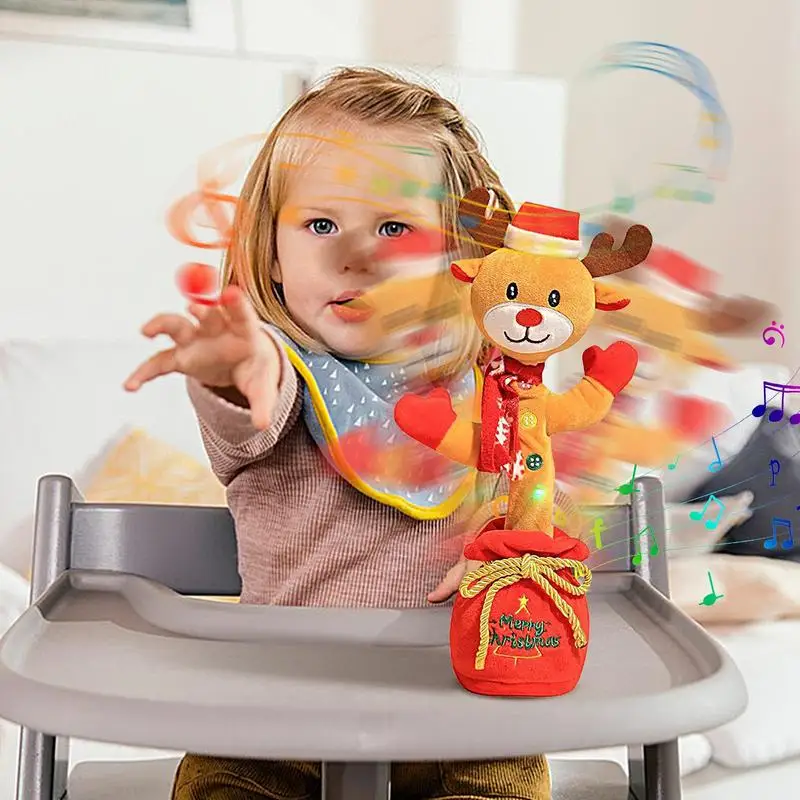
114 649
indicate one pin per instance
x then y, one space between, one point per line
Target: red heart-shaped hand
612 367
426 419
198 283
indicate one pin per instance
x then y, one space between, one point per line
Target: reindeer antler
602 260
485 221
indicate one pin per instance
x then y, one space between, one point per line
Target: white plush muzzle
500 323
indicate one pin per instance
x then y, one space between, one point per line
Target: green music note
627 488
409 188
624 205
637 559
712 596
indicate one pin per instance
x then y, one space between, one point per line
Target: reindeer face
531 306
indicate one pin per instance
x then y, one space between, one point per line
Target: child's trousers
207 778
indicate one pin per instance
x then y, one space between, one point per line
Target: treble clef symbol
208 208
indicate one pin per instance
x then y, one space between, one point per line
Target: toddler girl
277 369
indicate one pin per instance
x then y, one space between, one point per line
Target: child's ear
606 299
275 271
466 269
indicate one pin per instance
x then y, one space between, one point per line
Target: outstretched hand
221 346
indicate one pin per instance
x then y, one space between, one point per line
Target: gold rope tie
543 571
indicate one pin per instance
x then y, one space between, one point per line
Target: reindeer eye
554 298
512 291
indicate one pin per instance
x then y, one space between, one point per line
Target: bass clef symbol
771 339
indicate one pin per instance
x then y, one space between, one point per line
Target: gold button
528 419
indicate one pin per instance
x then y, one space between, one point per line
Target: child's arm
242 385
608 372
231 439
433 421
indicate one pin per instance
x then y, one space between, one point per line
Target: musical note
674 464
712 596
778 330
772 543
716 464
413 150
205 208
436 192
682 167
776 415
710 524
598 528
381 185
590 229
773 463
623 205
627 488
409 188
346 175
637 559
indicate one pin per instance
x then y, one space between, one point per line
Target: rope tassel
541 570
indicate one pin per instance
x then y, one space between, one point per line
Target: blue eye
393 229
322 226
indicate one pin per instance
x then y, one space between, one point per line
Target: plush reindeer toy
520 624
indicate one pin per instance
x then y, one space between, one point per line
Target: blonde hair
354 95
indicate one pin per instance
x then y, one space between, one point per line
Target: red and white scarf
500 414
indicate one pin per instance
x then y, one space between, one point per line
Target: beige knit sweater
305 535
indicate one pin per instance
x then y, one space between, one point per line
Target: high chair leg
43 767
355 781
654 772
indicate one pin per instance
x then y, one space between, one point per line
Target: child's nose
528 317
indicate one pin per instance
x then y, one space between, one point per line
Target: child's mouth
348 308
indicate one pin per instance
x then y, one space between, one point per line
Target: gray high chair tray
120 658
113 648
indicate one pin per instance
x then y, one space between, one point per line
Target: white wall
747 234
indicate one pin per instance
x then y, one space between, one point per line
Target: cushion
143 469
61 405
686 537
766 655
748 588
778 441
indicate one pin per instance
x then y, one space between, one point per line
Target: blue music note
772 543
716 465
776 415
710 524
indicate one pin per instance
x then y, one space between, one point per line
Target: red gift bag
520 624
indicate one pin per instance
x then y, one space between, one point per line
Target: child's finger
159 364
210 318
241 316
199 311
258 397
449 584
178 328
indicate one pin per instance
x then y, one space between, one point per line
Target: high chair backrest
192 549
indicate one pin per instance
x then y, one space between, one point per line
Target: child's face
341 205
